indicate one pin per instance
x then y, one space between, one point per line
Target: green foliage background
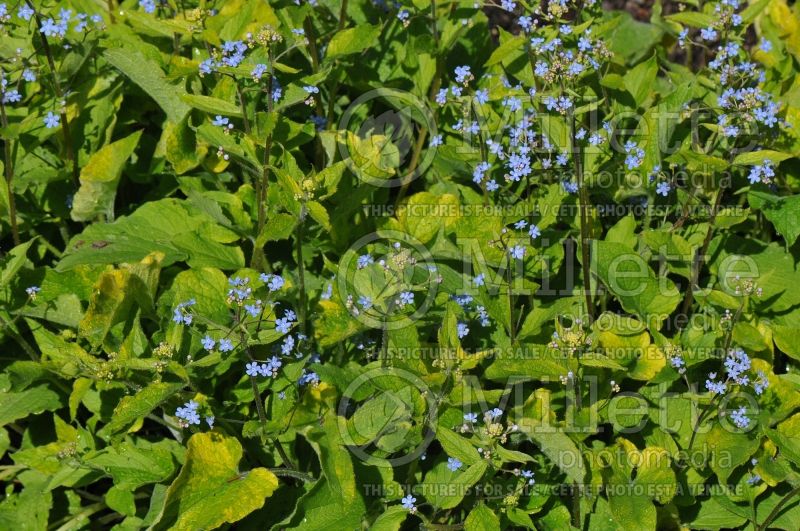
137 203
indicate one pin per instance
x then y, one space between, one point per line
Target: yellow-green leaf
210 490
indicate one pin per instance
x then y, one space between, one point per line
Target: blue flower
463 74
222 121
479 280
534 232
517 252
453 464
52 120
739 418
436 141
253 309
462 330
482 96
765 44
495 413
33 291
25 12
663 188
408 502
527 474
273 282
181 315
406 297
472 418
208 343
148 6
364 260
708 34
715 387
252 369
188 413
309 378
225 345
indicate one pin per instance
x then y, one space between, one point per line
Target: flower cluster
737 365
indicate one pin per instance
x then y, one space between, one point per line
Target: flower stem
70 152
777 509
9 176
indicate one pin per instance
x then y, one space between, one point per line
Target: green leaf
132 408
139 462
212 105
558 447
100 177
457 446
176 228
633 283
391 520
693 19
782 212
352 40
640 79
14 260
758 157
481 518
148 75
210 491
182 149
15 406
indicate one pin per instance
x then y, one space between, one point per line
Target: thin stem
245 121
342 15
288 472
301 269
700 255
59 94
775 511
9 175
584 221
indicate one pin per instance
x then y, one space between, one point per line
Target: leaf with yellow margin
210 491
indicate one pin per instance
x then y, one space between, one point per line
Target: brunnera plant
439 264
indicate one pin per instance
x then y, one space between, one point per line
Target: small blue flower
188 413
663 188
252 369
462 330
715 387
52 120
258 71
365 302
463 74
453 464
406 297
472 418
208 343
148 6
225 345
739 418
25 12
273 282
479 280
708 34
408 502
534 232
517 252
